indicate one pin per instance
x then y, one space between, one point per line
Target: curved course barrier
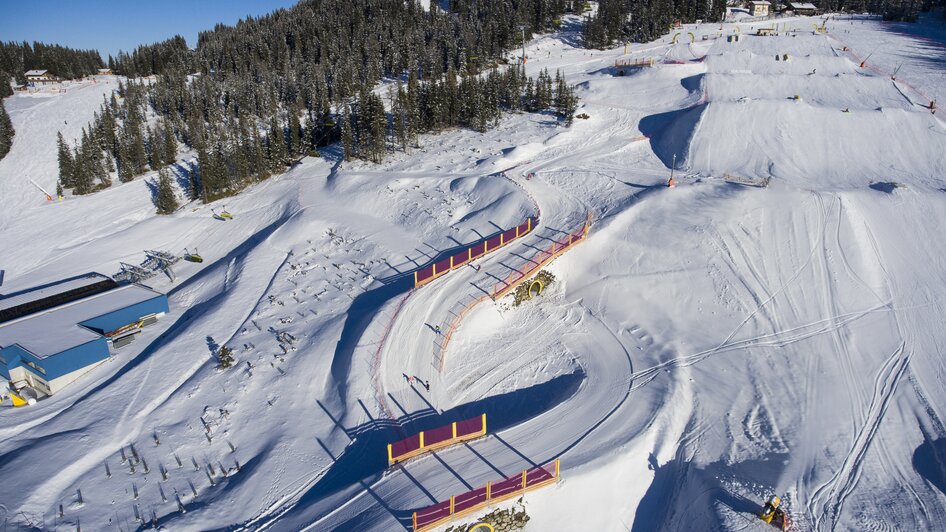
431 440
435 270
503 287
471 501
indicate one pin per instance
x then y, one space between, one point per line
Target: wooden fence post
451 262
556 468
421 439
451 505
454 424
502 241
484 423
435 269
390 456
469 254
523 481
488 491
415 278
415 520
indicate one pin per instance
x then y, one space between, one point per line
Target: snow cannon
773 514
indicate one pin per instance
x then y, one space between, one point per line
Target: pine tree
6 130
170 143
277 146
64 154
565 100
165 200
225 357
82 178
348 137
154 149
126 169
295 135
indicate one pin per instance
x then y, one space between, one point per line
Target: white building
758 8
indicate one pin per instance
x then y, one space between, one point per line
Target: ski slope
706 346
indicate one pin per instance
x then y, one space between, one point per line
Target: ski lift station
50 335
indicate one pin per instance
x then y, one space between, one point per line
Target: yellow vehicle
773 514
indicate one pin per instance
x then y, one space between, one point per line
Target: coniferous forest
253 98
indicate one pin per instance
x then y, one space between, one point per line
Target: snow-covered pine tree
165 200
6 130
170 143
64 155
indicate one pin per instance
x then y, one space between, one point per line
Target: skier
437 329
933 106
427 385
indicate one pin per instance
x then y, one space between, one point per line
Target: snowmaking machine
773 514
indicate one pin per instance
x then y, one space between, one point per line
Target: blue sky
113 25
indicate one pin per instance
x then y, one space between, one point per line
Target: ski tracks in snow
824 507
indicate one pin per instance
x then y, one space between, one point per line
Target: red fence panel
493 243
469 499
405 446
461 258
438 435
509 235
470 426
537 475
424 274
442 266
431 514
505 487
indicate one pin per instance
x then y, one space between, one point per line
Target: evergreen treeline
645 20
254 97
62 62
117 141
6 131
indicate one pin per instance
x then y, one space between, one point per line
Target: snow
705 347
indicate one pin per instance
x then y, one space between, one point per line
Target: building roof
758 2
802 5
36 72
57 329
37 293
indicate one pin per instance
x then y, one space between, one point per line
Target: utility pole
522 27
670 183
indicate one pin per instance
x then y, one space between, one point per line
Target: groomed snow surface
708 345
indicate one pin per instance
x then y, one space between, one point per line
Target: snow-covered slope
707 345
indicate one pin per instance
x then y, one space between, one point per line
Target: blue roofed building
51 335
